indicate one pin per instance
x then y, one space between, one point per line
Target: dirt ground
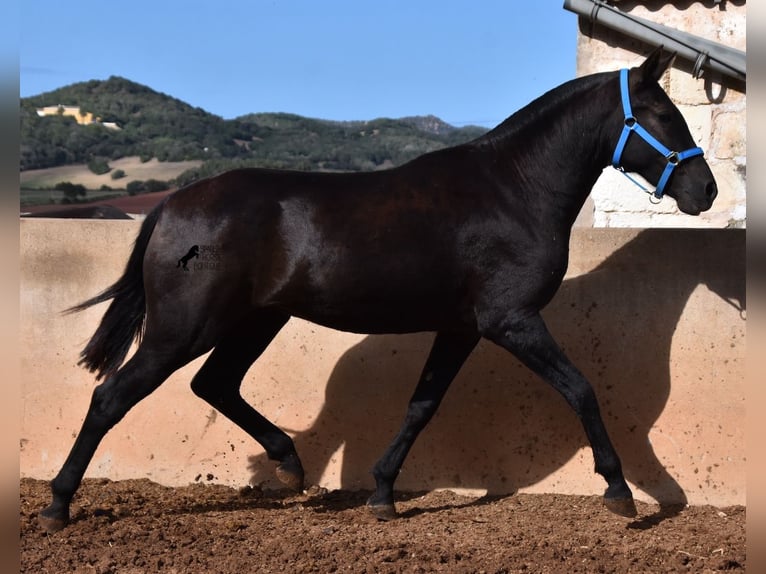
137 526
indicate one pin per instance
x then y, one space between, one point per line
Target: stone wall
653 318
714 107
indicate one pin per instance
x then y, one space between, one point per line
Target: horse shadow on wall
501 428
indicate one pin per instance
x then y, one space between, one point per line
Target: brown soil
137 526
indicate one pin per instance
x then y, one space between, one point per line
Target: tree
99 165
152 185
72 191
135 186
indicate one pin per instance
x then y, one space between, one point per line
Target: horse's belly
379 310
371 321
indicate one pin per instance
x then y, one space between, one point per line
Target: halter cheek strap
632 126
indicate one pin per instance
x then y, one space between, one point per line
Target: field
31 197
36 185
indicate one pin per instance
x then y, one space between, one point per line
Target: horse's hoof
291 475
383 511
51 523
623 506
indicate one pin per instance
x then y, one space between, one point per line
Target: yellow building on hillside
82 118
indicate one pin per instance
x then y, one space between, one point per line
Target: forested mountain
151 124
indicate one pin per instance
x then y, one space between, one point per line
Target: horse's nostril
711 190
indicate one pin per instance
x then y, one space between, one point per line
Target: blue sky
465 61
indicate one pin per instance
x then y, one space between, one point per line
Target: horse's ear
656 64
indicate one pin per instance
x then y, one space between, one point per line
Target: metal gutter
705 54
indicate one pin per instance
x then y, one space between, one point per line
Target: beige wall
649 316
714 107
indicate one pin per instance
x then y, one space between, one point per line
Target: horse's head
655 141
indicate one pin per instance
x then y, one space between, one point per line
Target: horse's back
371 252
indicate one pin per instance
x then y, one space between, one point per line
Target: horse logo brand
208 258
192 253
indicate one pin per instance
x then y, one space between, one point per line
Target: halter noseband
632 126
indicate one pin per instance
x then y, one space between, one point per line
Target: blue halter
631 126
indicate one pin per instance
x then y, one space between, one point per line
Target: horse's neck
557 147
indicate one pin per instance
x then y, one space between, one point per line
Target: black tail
124 319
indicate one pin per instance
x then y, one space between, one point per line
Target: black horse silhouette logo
193 252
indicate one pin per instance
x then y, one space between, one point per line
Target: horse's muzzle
711 191
694 204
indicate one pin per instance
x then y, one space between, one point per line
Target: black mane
551 103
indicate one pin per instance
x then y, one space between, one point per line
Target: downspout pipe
705 54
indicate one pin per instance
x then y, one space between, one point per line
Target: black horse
470 241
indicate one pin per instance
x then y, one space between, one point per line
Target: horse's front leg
528 338
449 352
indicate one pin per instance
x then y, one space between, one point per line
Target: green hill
154 125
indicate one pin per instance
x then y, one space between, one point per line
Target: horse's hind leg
110 401
218 383
531 342
449 352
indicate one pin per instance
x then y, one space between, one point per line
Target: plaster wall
649 316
